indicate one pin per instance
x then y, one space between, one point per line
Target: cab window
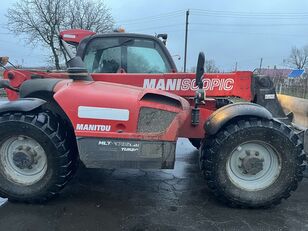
124 54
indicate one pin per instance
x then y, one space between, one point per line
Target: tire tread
65 159
210 145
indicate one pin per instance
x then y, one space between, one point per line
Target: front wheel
253 163
35 157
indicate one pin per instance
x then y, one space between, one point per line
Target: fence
293 90
292 87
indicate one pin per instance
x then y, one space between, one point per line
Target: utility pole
261 60
186 34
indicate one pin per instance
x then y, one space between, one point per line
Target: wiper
118 45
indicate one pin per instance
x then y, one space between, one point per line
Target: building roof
275 72
296 73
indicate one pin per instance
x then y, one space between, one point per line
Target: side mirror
200 70
163 37
200 95
4 60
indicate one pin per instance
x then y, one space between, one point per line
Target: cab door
126 59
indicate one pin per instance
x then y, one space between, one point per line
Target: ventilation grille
162 100
154 120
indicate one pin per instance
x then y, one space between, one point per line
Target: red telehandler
251 155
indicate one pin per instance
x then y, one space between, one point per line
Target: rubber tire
195 142
216 150
49 133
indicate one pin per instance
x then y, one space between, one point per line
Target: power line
148 21
155 27
154 17
6 33
251 13
217 13
151 31
251 24
261 17
248 33
200 12
249 17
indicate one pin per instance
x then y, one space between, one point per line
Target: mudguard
221 116
21 105
30 87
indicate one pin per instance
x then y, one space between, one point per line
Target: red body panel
237 84
70 96
18 76
74 36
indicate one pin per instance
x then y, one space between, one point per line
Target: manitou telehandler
250 153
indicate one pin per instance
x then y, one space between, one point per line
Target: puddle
2 201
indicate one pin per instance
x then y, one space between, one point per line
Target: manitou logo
188 84
93 127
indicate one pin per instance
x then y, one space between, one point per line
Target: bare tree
37 19
89 15
298 57
40 20
210 66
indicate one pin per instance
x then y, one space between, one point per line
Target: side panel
99 109
119 153
119 126
17 77
190 131
237 84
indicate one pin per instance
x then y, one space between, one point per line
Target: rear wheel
253 163
36 161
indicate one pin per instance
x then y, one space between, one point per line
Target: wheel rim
253 165
23 160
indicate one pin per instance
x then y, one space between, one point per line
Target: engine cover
123 126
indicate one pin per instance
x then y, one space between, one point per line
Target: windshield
130 55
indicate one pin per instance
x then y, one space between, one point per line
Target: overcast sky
228 31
